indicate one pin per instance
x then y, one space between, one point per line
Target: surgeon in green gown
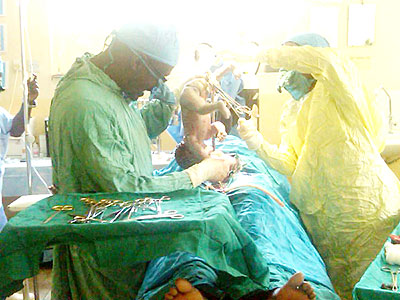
100 142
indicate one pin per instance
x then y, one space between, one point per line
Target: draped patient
295 289
196 116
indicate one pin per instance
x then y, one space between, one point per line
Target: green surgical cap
311 39
159 42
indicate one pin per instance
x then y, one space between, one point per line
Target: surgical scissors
58 209
171 214
394 274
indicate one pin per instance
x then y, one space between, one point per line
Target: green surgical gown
348 198
100 143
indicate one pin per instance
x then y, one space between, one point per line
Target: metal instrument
394 274
158 203
125 207
98 208
58 209
142 203
236 107
84 219
171 214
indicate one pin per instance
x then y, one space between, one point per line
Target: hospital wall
53 51
37 41
378 64
45 56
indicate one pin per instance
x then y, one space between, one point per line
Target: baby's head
185 157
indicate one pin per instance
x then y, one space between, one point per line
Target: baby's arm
194 96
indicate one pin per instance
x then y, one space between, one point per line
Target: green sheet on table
209 230
369 286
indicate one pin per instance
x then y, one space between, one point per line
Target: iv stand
28 137
213 115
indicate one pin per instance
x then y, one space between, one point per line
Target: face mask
295 83
163 93
156 89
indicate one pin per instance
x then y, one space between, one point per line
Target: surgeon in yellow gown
332 136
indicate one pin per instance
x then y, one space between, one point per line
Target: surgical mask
163 93
295 83
156 89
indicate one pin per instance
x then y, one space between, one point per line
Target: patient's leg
183 290
295 289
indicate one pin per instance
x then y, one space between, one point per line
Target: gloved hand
215 168
248 130
33 91
163 93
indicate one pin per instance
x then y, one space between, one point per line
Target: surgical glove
163 93
33 91
248 130
215 168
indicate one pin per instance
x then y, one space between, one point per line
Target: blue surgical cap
160 42
311 39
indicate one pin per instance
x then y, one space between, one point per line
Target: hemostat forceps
394 274
236 107
171 214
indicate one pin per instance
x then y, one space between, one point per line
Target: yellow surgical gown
348 198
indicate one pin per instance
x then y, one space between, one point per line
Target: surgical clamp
171 214
394 274
158 203
125 206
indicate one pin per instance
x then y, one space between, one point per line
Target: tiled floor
44 284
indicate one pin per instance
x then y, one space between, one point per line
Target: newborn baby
196 117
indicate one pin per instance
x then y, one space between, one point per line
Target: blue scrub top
5 127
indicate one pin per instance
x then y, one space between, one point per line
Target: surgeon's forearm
118 172
115 178
156 116
18 126
282 161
